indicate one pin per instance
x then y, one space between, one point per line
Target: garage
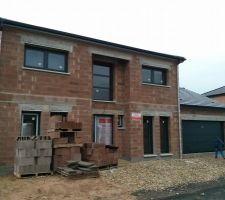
199 136
202 120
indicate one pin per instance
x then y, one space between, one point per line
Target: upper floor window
47 59
102 82
154 75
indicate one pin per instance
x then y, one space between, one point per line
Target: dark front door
148 136
164 135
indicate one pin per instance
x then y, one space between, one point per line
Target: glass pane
146 76
101 70
101 81
101 94
158 77
56 61
103 130
34 58
29 125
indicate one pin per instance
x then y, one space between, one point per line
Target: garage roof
190 98
216 92
10 23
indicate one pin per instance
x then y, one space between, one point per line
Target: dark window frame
38 125
153 70
120 121
46 51
110 76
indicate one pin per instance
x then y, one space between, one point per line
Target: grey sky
194 29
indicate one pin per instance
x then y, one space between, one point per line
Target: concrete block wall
31 90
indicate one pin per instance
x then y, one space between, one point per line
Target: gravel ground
163 174
141 180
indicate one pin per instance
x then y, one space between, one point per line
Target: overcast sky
194 29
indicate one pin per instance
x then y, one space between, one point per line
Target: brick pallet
100 154
33 156
65 152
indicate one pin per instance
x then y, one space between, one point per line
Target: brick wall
220 98
26 90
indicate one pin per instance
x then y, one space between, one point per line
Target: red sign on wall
136 116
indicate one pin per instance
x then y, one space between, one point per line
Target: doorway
148 135
164 135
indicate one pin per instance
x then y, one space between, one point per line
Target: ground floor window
103 131
30 124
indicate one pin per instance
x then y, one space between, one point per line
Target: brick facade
23 89
220 98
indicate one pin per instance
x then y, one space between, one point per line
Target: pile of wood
79 169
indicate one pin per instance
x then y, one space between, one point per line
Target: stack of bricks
43 146
100 154
64 153
25 157
33 156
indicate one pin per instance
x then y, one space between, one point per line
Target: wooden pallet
32 174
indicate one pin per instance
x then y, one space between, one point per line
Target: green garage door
199 136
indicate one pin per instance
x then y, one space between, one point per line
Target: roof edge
11 23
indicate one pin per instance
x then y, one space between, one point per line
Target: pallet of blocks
100 154
79 170
33 156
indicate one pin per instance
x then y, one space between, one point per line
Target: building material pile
33 156
79 169
66 143
100 154
65 152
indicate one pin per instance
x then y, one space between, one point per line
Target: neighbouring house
203 119
217 94
122 95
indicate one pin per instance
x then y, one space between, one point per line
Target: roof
9 23
190 98
218 91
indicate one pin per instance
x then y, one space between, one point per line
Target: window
47 59
30 124
103 129
120 122
102 82
153 75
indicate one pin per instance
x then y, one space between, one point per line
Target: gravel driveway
151 177
161 174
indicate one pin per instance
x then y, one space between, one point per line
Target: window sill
102 101
166 154
149 84
150 155
48 71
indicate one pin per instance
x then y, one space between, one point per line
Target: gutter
14 24
179 118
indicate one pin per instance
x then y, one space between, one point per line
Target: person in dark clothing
219 146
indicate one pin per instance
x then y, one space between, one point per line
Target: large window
47 59
103 129
152 75
102 82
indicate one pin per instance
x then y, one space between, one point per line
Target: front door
164 134
148 136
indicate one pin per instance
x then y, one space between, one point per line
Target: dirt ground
128 181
